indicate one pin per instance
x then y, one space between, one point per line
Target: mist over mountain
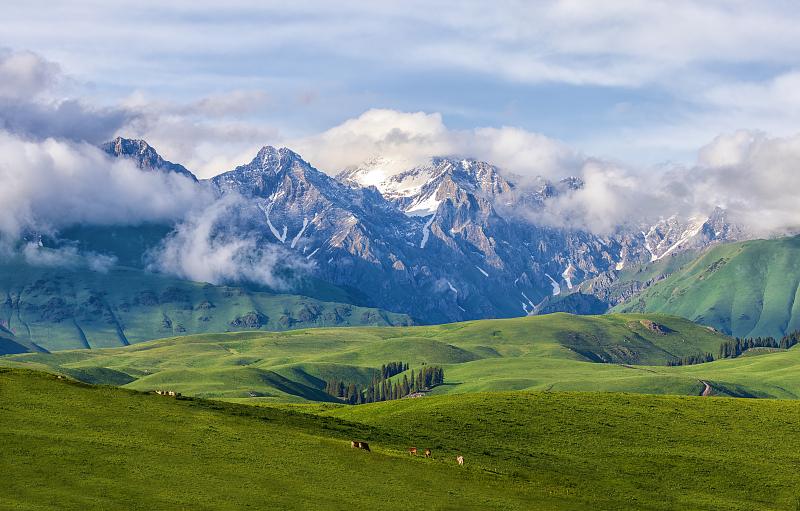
446 240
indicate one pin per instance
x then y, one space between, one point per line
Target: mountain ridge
447 240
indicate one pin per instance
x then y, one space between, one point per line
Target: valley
557 352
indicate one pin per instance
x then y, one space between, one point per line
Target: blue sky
639 82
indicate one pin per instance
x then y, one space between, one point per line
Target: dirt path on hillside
706 390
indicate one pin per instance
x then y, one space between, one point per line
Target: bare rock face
655 327
145 157
252 319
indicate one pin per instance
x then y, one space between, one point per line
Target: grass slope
71 446
746 289
557 351
58 308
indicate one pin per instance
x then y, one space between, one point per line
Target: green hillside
70 446
746 289
552 352
599 294
47 308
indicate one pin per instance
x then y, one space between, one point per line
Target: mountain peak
273 157
144 155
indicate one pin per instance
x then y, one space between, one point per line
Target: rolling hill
557 351
55 308
71 446
746 289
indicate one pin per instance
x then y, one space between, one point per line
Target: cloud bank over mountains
54 176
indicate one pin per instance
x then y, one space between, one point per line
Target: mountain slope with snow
448 240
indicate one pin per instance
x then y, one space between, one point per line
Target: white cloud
750 174
208 135
66 257
51 184
24 74
409 138
755 176
204 249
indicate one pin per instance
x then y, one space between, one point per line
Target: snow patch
300 234
686 235
621 264
267 210
309 256
451 287
424 207
568 274
426 232
556 287
482 271
525 306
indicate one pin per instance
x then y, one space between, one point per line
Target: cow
427 453
412 451
359 445
460 460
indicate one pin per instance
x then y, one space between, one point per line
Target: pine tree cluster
382 389
687 360
735 348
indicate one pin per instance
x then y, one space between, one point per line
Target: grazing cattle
460 460
359 445
427 453
412 451
170 393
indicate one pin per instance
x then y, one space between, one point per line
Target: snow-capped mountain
442 241
419 190
674 234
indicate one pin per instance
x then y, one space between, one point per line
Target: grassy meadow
67 445
552 352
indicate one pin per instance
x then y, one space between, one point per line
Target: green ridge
63 308
746 289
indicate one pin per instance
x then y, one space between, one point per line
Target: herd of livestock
355 444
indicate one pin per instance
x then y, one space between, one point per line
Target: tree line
734 348
382 389
687 360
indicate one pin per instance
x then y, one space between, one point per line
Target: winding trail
707 390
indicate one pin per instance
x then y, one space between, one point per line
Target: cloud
68 119
621 42
750 174
206 247
51 184
406 139
611 198
66 257
754 176
208 135
29 105
679 64
24 74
